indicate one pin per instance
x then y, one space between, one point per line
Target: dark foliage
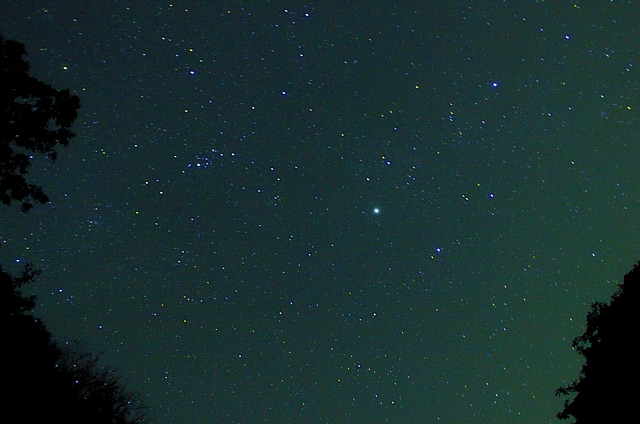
43 382
34 118
606 389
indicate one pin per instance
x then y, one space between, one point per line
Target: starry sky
334 212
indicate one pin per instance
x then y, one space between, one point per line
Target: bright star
376 211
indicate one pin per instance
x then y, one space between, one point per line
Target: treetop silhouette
35 118
43 381
604 391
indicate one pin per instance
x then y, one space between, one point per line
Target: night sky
334 212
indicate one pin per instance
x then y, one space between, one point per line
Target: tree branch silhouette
604 390
35 119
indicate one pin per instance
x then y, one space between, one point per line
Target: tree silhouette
607 386
34 117
42 381
30 356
